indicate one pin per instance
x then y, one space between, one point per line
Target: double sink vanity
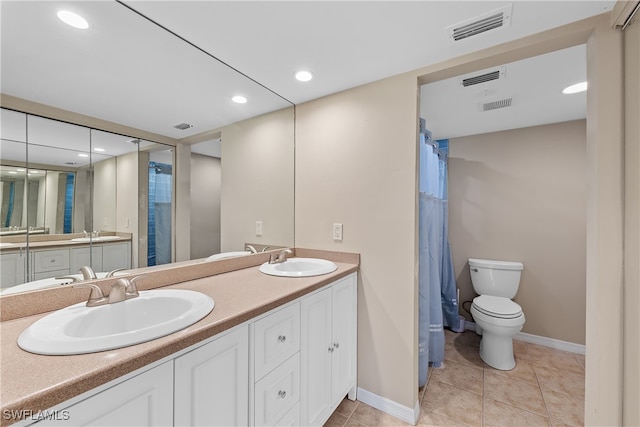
239 341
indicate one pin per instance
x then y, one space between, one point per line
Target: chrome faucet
251 249
279 257
88 273
122 290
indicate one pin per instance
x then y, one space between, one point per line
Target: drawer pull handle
282 338
282 394
336 345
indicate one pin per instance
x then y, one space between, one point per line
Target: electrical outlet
337 232
258 228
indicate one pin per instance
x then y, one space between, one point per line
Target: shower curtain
159 223
438 305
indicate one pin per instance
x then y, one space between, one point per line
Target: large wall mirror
106 131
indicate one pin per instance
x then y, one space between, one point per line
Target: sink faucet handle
251 249
132 290
96 297
112 272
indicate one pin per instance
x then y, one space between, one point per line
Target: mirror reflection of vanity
56 199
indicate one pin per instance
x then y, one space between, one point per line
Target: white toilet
497 318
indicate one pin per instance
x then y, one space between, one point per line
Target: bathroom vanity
274 351
61 257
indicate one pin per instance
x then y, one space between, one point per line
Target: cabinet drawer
291 418
278 392
51 260
276 338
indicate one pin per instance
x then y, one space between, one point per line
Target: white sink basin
52 282
225 255
96 239
299 267
78 329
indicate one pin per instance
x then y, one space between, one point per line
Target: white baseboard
390 407
551 342
540 340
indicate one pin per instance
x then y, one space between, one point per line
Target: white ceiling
535 86
128 70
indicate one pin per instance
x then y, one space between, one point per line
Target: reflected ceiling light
83 155
13 172
304 76
21 170
576 88
73 19
239 99
99 150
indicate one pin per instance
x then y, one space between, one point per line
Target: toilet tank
497 278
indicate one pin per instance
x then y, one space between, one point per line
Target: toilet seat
499 307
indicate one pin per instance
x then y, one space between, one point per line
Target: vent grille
183 126
503 103
498 18
494 75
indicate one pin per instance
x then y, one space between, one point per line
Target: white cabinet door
116 255
85 255
316 348
212 382
328 351
12 269
344 323
144 400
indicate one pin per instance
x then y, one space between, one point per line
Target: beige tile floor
546 388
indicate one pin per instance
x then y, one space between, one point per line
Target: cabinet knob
336 345
282 338
331 349
282 394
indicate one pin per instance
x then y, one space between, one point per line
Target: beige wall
605 213
258 181
520 195
631 409
104 193
356 165
127 217
352 154
205 206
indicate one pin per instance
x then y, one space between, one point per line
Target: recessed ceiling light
83 155
99 150
238 99
73 19
576 88
304 76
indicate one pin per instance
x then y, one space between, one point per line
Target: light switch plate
258 228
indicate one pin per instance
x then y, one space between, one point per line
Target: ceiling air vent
495 19
183 126
471 80
494 105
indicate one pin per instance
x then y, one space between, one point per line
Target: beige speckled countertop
34 382
46 241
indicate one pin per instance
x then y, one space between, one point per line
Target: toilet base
497 351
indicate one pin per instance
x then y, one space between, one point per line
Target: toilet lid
497 306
